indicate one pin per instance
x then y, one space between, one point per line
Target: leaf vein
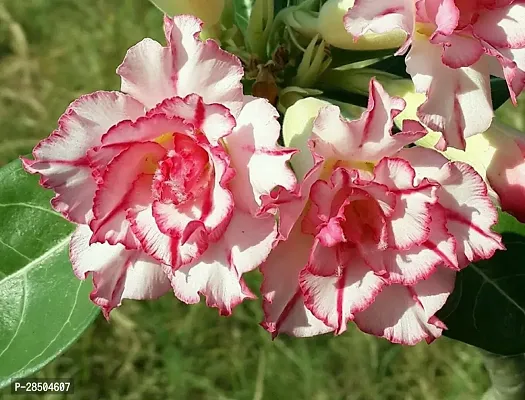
22 317
500 290
15 250
41 258
68 320
28 205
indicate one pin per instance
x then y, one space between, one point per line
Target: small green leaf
499 91
43 306
487 307
242 10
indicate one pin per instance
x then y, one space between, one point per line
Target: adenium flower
455 47
380 229
165 178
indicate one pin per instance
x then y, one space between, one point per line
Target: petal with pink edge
469 211
502 28
61 158
146 129
152 73
214 120
290 205
114 227
469 110
407 267
173 251
406 314
114 191
260 163
381 17
283 302
369 138
409 224
336 297
117 273
217 274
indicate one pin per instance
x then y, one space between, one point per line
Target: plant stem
507 374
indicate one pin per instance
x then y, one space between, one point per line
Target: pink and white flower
455 46
381 229
165 178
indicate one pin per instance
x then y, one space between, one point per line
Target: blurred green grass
52 51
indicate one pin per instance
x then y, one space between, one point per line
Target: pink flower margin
164 178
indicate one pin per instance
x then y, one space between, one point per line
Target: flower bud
329 24
297 129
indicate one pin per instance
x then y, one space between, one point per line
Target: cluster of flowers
177 182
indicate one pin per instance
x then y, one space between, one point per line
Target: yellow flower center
164 138
425 29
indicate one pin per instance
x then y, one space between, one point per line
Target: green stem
507 374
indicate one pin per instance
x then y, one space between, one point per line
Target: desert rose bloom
381 228
455 47
165 178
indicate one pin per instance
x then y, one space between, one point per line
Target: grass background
52 51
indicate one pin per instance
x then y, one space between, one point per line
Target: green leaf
43 306
499 91
242 10
487 307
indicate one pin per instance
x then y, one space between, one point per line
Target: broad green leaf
43 306
242 10
487 307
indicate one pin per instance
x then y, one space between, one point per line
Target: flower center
332 164
364 221
425 29
184 173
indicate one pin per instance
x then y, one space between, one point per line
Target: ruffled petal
459 50
407 267
213 206
335 298
117 273
172 251
470 110
369 138
503 27
217 274
406 315
214 120
469 211
152 73
283 302
260 163
409 224
61 158
426 162
149 128
119 188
